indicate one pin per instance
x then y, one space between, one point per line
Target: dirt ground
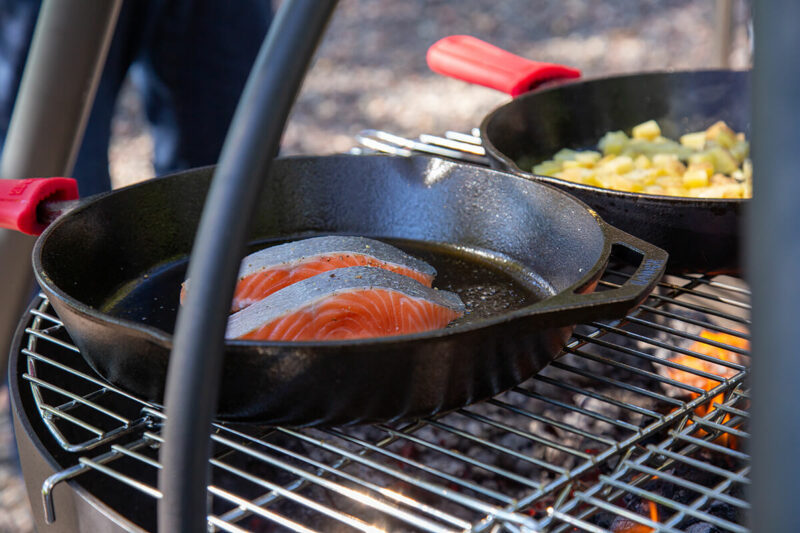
370 72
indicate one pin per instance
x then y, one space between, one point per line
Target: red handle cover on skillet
19 200
475 61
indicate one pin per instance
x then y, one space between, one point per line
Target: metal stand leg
61 75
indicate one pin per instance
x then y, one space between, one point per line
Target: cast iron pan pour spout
196 358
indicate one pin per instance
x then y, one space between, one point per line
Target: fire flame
628 526
711 368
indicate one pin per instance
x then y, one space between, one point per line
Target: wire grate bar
463 434
633 517
49 338
452 144
136 455
371 486
700 308
327 511
702 465
573 408
705 324
462 499
463 137
666 346
571 520
712 297
110 472
597 396
689 336
223 525
78 399
441 491
651 358
732 410
617 383
715 283
68 417
551 421
464 458
255 509
84 376
524 434
711 446
722 428
666 502
47 316
689 485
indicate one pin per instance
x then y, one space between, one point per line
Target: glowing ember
629 526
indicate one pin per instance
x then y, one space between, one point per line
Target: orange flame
711 368
629 526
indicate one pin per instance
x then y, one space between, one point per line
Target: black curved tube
250 146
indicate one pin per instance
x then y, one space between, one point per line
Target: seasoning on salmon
349 303
271 269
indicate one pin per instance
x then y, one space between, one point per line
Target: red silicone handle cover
469 59
20 198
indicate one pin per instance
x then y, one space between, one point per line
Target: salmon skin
271 269
348 303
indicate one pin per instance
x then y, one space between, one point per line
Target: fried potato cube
565 154
642 162
588 158
704 166
647 130
547 168
722 134
613 142
695 178
619 165
695 141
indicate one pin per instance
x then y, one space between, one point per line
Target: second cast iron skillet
701 235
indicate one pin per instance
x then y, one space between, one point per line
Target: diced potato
695 141
619 165
654 189
722 179
664 160
695 178
647 130
717 163
548 168
588 158
642 161
669 181
719 127
613 142
575 174
565 154
722 160
740 150
704 166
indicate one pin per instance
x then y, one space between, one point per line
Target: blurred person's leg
192 75
17 21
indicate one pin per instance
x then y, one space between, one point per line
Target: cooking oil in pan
488 284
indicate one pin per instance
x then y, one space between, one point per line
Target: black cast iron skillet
701 235
112 269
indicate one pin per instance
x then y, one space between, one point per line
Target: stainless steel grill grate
637 424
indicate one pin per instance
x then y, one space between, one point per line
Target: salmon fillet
349 303
271 269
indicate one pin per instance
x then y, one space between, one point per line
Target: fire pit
640 424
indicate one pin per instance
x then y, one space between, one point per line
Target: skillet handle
574 307
469 59
21 199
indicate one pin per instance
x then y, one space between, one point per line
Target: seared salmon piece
348 303
271 269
